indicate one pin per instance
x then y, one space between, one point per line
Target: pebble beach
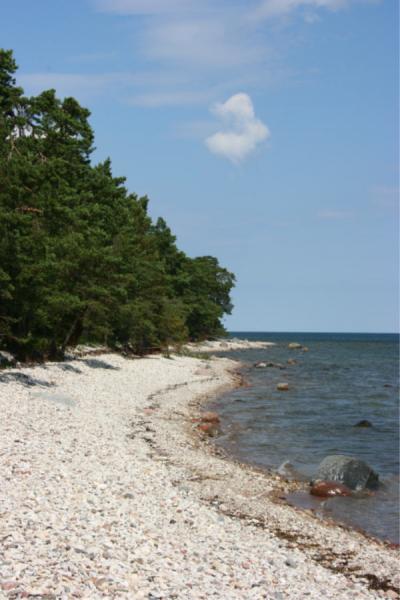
109 490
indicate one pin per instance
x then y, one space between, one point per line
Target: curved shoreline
322 541
109 491
294 483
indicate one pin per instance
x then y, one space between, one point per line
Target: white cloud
242 132
87 86
190 52
268 9
211 42
169 98
208 34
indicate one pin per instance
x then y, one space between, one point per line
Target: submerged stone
363 423
282 387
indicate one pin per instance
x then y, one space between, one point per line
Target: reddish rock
210 417
8 585
326 489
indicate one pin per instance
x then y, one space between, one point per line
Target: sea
342 379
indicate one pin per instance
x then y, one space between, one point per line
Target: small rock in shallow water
294 346
325 489
282 387
363 423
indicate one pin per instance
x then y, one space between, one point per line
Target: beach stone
363 423
294 346
260 365
325 489
210 417
282 387
353 472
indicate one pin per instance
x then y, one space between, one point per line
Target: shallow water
342 379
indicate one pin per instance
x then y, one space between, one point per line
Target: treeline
80 258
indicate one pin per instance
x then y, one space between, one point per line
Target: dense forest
80 257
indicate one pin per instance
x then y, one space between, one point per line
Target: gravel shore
109 491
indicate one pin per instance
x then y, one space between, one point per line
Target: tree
80 258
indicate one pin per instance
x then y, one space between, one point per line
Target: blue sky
264 131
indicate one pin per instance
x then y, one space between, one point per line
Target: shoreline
294 481
116 452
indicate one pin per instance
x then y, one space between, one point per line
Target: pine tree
80 258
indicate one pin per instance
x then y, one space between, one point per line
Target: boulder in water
327 489
352 472
294 346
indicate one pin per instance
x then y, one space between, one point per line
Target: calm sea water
342 379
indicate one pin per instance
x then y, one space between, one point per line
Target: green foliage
80 258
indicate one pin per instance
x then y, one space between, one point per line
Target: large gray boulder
353 472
